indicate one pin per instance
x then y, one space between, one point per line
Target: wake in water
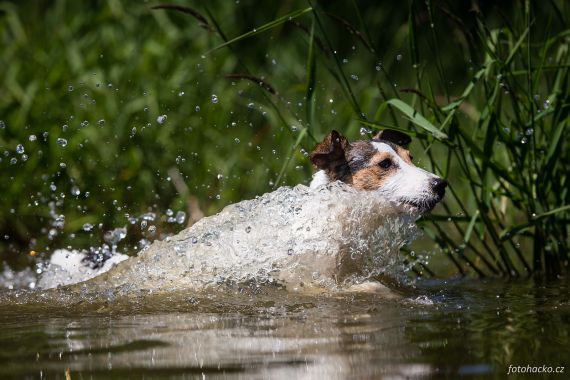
298 238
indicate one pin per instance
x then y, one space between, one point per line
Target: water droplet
101 122
250 105
197 108
2 124
194 240
290 251
399 57
180 217
116 235
364 131
214 98
237 140
218 196
144 224
52 233
546 104
62 142
70 88
87 227
62 165
181 93
220 177
150 216
13 161
20 149
64 127
24 157
529 131
247 229
161 119
354 77
33 138
75 191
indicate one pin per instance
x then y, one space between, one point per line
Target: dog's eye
385 164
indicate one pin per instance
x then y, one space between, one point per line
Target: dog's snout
438 186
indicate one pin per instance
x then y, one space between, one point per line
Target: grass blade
520 228
311 78
415 117
264 28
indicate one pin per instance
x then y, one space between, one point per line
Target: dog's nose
438 186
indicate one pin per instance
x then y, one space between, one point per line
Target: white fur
409 182
319 178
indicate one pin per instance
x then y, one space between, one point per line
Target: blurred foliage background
116 114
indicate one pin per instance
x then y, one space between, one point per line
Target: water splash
70 267
298 238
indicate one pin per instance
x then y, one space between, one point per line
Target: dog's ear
396 137
330 152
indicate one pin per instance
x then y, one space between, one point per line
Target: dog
343 230
382 164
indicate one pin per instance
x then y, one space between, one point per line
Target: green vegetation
249 89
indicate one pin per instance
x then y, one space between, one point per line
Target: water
297 238
266 289
435 329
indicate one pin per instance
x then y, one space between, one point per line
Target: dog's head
382 164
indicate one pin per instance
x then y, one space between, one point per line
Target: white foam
301 238
67 267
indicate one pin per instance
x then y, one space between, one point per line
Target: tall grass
483 89
502 136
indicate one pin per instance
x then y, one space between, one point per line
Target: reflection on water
443 329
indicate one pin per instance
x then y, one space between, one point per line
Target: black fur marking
359 155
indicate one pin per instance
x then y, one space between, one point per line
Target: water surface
440 329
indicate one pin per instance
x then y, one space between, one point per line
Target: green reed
499 141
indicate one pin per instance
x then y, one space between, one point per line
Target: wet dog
340 233
382 164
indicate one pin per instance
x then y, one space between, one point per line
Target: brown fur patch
357 163
404 154
330 156
373 176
